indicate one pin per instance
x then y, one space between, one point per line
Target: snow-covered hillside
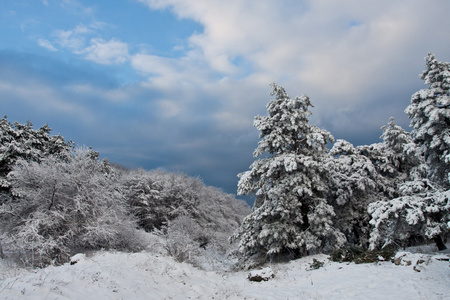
107 275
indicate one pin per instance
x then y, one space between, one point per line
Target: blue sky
175 84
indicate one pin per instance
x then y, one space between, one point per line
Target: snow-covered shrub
184 239
61 206
359 255
157 197
189 241
263 274
316 264
195 220
143 194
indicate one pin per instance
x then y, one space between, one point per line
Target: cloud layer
190 107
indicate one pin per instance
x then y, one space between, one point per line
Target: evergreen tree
393 159
395 137
421 208
366 174
429 112
354 182
290 214
402 151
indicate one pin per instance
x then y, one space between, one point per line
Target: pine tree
354 182
290 214
366 174
421 210
429 112
402 150
395 137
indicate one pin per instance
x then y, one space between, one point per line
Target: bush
63 206
316 264
361 256
194 220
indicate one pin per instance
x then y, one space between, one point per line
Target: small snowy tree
402 150
429 112
290 214
395 137
393 159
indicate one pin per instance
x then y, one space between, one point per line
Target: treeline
57 200
309 198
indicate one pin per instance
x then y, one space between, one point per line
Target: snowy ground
107 275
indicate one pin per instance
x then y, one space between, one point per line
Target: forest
313 194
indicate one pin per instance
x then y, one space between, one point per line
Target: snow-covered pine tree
403 151
353 184
422 209
290 214
395 137
394 158
429 112
365 174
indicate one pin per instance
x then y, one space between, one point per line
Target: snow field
108 275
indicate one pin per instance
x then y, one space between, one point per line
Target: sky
175 84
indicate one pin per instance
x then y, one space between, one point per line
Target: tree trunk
2 255
440 243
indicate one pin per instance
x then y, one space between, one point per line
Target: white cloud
106 52
46 44
342 54
76 7
152 64
346 52
74 39
179 80
80 41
